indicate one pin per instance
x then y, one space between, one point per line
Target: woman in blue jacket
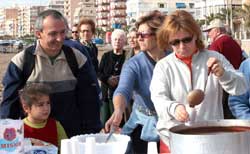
134 81
240 105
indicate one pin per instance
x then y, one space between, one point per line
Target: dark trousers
227 112
107 109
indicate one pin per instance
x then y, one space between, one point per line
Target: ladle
112 130
195 97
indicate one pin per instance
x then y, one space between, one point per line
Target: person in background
189 67
134 81
244 54
74 33
135 49
76 104
227 46
36 104
224 43
91 71
240 104
109 71
86 27
133 43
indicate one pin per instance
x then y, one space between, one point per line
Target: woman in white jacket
186 69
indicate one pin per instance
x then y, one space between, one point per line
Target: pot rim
210 123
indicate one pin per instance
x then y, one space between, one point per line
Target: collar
219 36
186 60
40 125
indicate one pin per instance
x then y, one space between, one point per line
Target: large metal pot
217 142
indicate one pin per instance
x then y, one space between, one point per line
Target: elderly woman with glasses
134 81
133 43
86 28
189 67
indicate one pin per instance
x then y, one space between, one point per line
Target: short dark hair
32 91
87 21
54 13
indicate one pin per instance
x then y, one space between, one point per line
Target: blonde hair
179 20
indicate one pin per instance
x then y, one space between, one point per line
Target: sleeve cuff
225 77
172 108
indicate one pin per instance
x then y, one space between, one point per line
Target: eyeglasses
74 32
83 31
185 40
132 37
144 34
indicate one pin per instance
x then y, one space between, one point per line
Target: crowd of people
53 85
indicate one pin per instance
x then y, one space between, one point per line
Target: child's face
40 110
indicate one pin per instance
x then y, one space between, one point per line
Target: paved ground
4 60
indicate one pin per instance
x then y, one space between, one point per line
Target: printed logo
40 152
9 134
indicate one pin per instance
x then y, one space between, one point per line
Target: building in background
26 19
75 9
118 13
102 14
8 21
111 14
86 8
11 22
137 8
69 9
2 22
206 8
56 5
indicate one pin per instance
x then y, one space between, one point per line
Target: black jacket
111 64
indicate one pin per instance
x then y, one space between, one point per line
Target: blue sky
9 3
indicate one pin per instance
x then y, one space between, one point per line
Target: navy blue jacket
76 103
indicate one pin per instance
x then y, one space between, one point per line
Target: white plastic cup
90 147
75 147
152 148
192 115
66 146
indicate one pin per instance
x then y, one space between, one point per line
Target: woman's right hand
114 121
116 118
181 113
